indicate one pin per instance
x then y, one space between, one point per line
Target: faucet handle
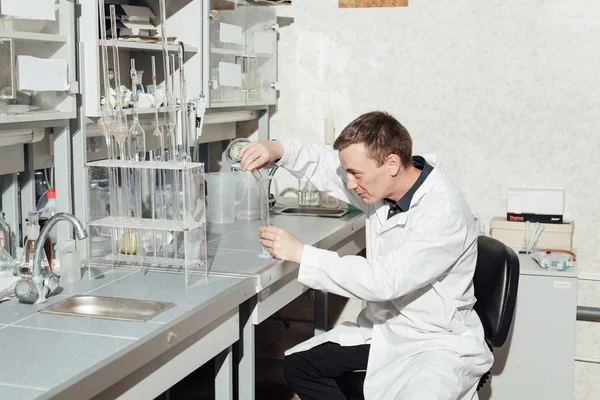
26 291
51 280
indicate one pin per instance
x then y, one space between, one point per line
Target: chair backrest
495 282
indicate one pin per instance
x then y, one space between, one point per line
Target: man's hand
257 155
281 244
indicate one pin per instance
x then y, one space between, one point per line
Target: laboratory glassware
184 153
157 135
223 196
308 194
168 244
137 133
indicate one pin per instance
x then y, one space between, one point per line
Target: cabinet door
33 40
261 63
227 54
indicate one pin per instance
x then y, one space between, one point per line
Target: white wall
505 92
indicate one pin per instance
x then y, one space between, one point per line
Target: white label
263 43
29 9
231 34
562 285
230 74
54 77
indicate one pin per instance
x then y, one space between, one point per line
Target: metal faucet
45 282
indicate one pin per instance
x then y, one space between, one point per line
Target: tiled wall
506 92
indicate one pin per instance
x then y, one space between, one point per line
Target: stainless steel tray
314 211
108 308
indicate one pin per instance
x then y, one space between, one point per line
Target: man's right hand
257 155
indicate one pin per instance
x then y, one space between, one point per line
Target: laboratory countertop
45 355
233 249
528 266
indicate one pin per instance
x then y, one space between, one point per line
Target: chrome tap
45 282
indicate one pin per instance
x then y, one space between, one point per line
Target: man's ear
393 164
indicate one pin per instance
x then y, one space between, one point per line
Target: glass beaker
249 207
308 195
222 196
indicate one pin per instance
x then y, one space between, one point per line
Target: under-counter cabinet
537 360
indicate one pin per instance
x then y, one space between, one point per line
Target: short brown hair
381 134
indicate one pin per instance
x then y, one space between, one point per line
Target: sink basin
314 211
108 308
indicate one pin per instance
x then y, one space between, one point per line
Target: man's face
371 182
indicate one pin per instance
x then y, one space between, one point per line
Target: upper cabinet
38 76
138 39
242 54
229 46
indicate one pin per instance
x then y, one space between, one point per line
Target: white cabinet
242 66
538 358
183 23
37 57
230 49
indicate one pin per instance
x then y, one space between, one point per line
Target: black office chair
496 281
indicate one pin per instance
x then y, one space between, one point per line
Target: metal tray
108 308
314 211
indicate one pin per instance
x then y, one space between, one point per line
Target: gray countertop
233 249
49 352
44 354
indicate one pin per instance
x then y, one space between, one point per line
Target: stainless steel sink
108 308
314 211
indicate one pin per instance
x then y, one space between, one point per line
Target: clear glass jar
308 195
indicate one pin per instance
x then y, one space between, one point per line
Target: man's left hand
281 244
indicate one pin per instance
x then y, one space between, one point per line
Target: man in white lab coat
419 337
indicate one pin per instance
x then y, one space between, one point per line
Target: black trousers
312 374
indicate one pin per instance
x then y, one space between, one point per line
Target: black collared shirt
403 204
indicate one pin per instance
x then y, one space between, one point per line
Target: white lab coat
426 340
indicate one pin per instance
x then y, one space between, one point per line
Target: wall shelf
129 111
37 116
32 36
143 46
216 50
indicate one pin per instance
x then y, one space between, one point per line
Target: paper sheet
29 9
231 34
40 74
230 74
137 13
263 43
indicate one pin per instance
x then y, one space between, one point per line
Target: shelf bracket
74 88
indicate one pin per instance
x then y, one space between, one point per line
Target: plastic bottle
69 262
46 208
